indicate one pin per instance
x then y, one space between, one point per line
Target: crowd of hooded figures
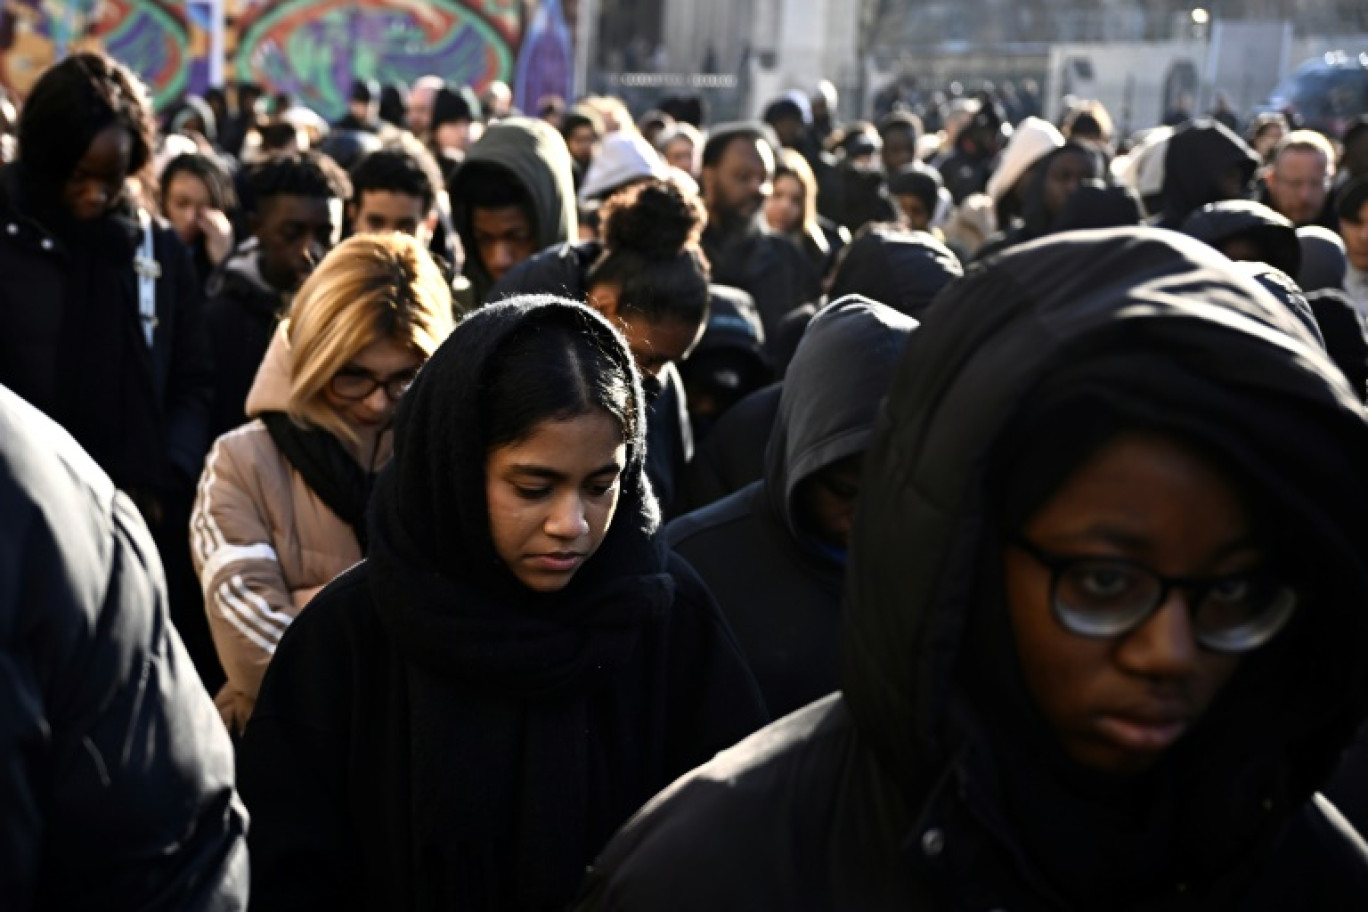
449 508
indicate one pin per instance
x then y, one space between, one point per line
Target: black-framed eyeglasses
358 384
1110 596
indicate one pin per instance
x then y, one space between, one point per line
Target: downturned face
97 181
1116 704
552 496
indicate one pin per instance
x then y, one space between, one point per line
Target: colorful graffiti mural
149 34
312 49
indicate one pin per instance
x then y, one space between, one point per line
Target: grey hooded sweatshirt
533 153
778 587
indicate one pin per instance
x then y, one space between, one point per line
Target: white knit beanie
1033 140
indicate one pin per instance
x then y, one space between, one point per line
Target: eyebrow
543 472
1135 541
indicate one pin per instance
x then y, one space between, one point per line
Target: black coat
733 454
116 786
430 734
931 782
242 312
73 342
767 267
779 589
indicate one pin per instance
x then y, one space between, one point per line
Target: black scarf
513 790
328 469
104 394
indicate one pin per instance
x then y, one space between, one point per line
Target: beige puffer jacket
263 543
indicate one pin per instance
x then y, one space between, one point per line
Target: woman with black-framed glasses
1104 633
282 502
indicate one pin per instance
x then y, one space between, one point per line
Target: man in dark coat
936 780
774 553
738 168
116 786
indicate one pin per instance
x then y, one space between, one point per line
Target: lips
558 561
1143 732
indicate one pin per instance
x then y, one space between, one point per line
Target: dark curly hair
651 251
75 101
311 174
395 170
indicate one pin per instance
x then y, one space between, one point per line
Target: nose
500 257
1164 646
378 402
567 519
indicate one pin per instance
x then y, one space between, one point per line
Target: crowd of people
452 507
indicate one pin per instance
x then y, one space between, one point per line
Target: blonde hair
369 288
791 163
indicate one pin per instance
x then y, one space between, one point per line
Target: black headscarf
498 675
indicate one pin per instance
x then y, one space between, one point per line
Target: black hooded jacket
433 735
534 156
1200 153
902 269
778 587
1223 221
909 790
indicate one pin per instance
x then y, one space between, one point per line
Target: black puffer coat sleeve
116 776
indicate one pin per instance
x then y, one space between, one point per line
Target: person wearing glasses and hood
282 501
464 718
1104 634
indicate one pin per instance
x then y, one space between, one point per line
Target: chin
544 584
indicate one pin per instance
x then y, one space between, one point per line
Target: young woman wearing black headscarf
461 720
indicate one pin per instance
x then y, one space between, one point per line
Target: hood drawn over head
1199 153
839 374
900 268
535 155
1146 328
1323 260
1216 223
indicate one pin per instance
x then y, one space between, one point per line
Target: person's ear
606 305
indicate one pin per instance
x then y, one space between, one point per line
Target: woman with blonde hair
791 211
281 504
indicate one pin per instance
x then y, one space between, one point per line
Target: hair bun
656 220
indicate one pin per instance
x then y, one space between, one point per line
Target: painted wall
310 48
